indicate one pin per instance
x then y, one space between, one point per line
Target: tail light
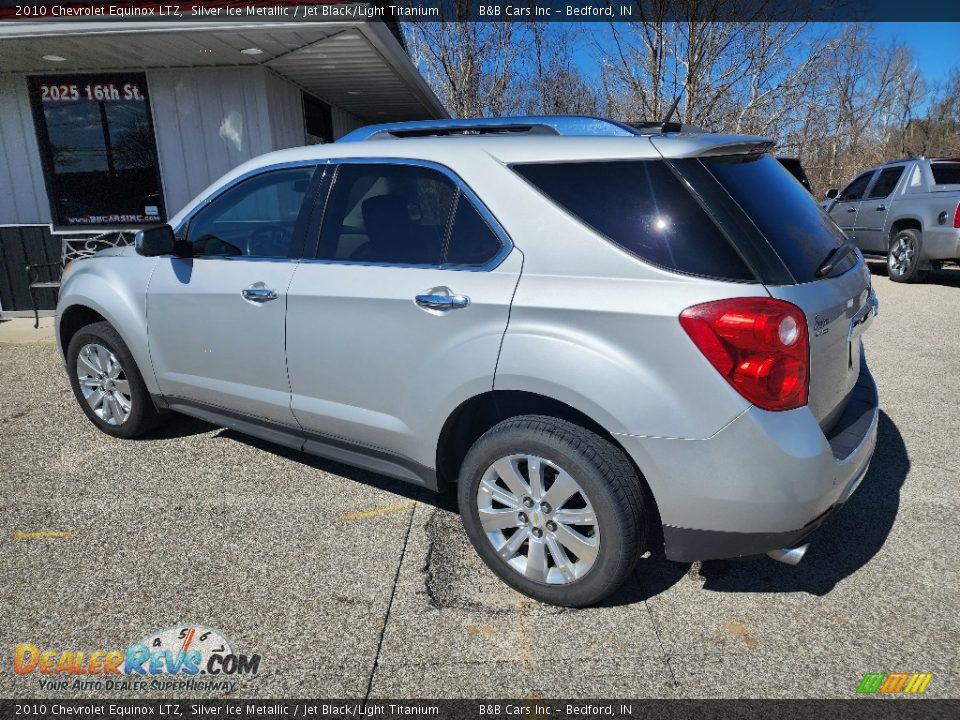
759 345
956 217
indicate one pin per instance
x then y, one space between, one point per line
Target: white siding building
114 125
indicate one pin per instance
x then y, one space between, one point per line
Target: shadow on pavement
844 544
381 482
176 425
948 277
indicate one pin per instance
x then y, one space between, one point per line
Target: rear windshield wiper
833 257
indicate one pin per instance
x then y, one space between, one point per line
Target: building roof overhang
358 66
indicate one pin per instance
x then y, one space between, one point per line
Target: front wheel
556 511
107 383
903 258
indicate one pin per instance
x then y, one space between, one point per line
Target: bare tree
474 67
556 86
854 115
837 99
735 75
937 134
498 68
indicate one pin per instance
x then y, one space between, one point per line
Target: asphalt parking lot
350 584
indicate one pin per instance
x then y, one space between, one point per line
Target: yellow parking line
366 514
43 534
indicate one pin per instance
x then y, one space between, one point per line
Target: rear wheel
556 511
107 383
903 258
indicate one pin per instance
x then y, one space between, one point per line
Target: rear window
641 206
946 173
797 229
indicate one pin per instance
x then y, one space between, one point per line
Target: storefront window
317 120
98 148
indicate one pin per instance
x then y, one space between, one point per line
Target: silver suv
608 337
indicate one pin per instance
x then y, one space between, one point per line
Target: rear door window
642 207
886 182
797 229
387 214
396 214
472 242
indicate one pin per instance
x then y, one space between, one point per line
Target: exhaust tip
790 556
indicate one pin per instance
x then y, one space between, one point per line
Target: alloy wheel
902 255
538 519
104 384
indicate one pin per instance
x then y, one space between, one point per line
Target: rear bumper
764 482
688 545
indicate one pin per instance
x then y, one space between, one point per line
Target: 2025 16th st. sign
96 139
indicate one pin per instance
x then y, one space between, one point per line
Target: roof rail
906 159
570 125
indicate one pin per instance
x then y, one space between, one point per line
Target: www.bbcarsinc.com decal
186 657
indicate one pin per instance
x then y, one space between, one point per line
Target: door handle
442 302
259 294
881 207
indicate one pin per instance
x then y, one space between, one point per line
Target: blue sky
936 46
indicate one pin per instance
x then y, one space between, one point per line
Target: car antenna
666 125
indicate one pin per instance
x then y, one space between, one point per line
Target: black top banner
546 11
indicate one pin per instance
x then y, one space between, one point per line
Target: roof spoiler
751 146
711 145
647 127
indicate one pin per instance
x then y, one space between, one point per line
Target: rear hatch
838 312
787 237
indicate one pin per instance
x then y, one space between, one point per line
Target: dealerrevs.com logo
186 657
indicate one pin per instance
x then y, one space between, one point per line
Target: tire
107 363
610 539
903 257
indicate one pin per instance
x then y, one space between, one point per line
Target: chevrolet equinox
609 336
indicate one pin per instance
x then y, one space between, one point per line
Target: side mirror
154 241
832 193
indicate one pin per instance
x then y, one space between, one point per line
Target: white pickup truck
905 210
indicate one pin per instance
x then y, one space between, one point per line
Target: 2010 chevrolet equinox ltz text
605 334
